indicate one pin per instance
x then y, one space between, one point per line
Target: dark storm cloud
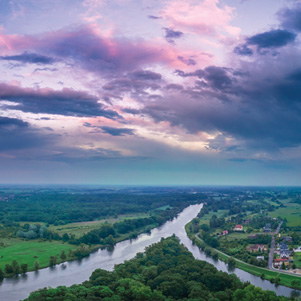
295 75
290 18
16 134
274 38
116 131
171 34
262 108
28 57
64 102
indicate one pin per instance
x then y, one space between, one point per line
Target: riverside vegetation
44 227
166 271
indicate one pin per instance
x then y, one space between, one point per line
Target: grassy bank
285 279
28 252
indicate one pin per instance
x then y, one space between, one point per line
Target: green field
292 213
164 207
206 218
81 228
237 235
29 251
297 259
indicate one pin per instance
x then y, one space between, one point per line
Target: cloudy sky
150 92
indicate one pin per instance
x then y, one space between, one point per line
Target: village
285 256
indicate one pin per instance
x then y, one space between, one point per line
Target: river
77 271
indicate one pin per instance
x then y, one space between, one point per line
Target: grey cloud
217 77
171 34
243 50
188 62
27 57
16 134
273 38
117 131
290 18
145 75
64 102
111 130
153 17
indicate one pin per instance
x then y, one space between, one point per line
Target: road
271 256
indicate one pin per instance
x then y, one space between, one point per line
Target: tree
36 265
15 267
8 269
65 237
24 268
1 275
231 262
110 240
52 261
63 256
283 266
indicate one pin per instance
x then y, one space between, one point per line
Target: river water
75 272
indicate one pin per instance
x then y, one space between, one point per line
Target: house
283 246
287 239
284 254
297 249
267 228
238 228
278 262
259 258
257 248
225 232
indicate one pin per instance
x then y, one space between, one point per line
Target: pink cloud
89 49
205 17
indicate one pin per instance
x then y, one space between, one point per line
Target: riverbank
263 273
78 271
36 253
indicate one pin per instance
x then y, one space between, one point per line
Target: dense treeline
107 233
167 271
61 208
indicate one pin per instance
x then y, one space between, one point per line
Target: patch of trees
167 271
13 269
260 239
216 222
108 233
210 240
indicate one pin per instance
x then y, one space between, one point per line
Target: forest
166 271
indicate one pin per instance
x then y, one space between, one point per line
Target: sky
150 92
